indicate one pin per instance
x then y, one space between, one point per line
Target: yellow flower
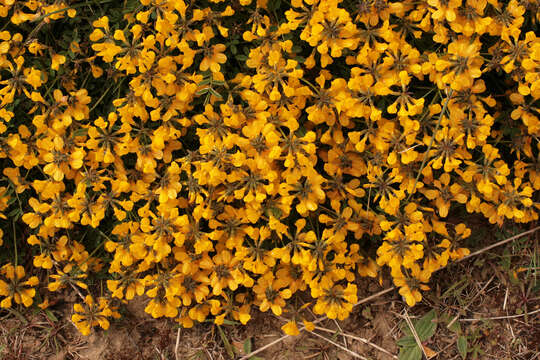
400 252
213 57
270 293
236 306
447 149
462 64
68 276
515 203
336 302
291 327
229 159
459 233
388 196
444 194
490 175
90 314
224 274
442 10
17 289
410 283
330 31
57 60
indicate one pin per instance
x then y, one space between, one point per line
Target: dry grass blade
481 291
77 291
499 243
177 344
356 355
365 341
503 317
261 349
376 295
341 332
392 288
415 334
364 300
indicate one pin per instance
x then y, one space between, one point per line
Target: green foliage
425 328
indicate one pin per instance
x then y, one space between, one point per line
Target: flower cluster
219 156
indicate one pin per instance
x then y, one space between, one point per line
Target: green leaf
50 315
202 91
505 261
80 132
462 346
247 346
445 318
366 312
426 326
15 213
274 5
301 131
407 341
410 353
455 289
276 212
215 93
18 315
456 327
226 342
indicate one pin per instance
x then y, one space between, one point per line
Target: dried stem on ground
392 288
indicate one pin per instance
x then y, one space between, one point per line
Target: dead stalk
177 344
503 317
470 302
415 334
357 338
392 288
356 355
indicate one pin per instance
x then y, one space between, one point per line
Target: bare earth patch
492 303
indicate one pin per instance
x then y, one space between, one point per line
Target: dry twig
499 243
503 317
177 344
365 341
392 288
470 302
415 334
356 355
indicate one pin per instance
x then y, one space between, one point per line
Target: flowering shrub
220 156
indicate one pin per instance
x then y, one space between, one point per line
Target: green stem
15 244
96 249
426 155
310 85
105 93
71 7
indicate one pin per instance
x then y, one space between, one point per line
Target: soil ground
495 297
